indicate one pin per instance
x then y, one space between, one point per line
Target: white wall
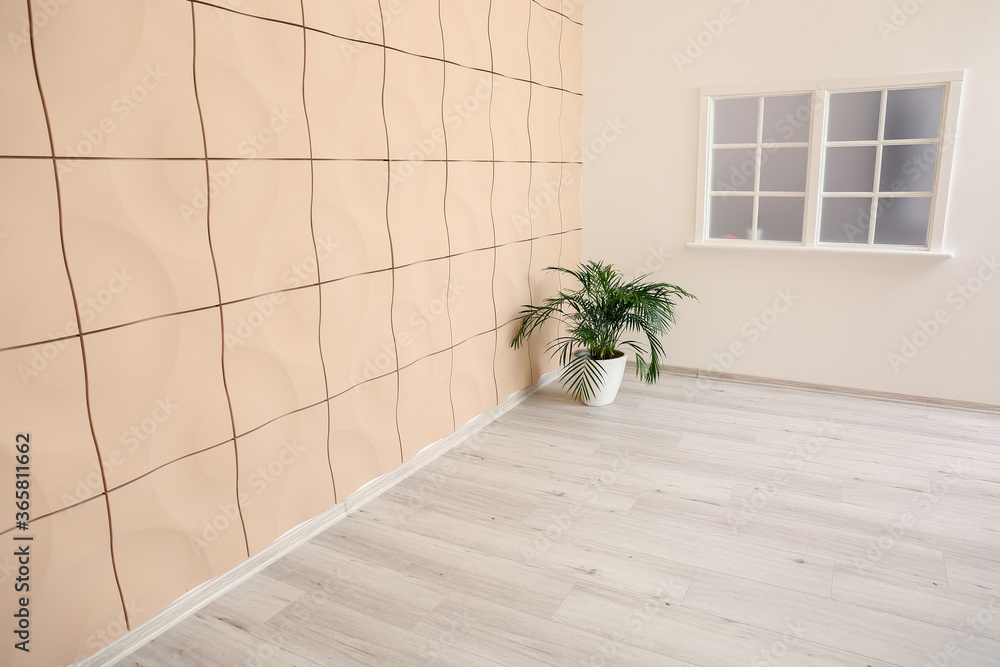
852 309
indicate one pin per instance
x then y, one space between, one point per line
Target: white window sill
791 247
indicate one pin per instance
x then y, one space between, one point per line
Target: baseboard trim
202 595
833 389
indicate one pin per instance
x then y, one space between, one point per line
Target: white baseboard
202 595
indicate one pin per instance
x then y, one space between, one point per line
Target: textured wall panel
253 255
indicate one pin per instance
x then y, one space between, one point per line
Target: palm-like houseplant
596 317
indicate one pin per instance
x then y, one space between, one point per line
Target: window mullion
814 183
759 158
872 221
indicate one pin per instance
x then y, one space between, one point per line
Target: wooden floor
693 523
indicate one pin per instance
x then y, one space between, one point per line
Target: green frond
595 319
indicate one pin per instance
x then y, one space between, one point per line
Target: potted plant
596 317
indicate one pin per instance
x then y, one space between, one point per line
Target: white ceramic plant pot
614 371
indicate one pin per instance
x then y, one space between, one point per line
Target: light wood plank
945 606
549 549
884 636
973 466
974 572
387 594
253 602
512 637
203 641
841 544
560 534
694 636
457 569
934 500
802 455
330 634
722 553
870 520
730 471
536 484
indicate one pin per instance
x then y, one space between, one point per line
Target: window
759 161
863 165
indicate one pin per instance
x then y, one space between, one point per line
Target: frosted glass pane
780 218
735 121
786 118
731 218
908 168
854 116
902 220
849 169
783 169
733 169
914 113
845 219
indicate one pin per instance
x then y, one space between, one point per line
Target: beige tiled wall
255 253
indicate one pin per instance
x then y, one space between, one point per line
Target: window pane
902 220
908 168
780 218
849 169
731 218
786 118
783 169
913 113
845 219
735 121
854 116
733 169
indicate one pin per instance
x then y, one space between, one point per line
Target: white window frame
821 91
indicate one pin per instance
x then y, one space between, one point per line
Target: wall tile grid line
256 253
